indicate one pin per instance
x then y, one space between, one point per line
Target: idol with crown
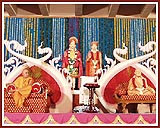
72 61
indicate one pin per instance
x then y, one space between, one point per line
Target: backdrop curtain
130 32
54 33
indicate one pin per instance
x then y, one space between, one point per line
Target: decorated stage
78 118
52 97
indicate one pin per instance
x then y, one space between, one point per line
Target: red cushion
36 88
10 87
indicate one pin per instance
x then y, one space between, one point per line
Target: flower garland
36 72
70 60
72 55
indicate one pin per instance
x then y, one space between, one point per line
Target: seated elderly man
138 85
23 86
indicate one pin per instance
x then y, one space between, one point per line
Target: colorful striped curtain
54 33
130 32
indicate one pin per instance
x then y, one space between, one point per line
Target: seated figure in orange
138 85
23 86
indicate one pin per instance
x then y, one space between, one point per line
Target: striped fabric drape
55 32
130 32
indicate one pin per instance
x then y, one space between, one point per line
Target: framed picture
86 64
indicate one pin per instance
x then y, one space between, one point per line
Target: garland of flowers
36 72
70 60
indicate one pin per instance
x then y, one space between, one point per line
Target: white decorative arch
115 69
64 105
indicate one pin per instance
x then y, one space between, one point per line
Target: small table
91 87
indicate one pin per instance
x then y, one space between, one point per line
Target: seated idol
138 85
23 86
72 61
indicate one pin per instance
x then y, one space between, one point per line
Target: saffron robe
23 90
90 67
138 86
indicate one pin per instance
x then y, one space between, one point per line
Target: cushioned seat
138 97
121 97
37 102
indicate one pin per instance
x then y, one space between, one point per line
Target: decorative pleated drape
55 32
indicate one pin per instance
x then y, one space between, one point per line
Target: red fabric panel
53 85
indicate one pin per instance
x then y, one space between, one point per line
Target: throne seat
142 98
121 97
37 102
